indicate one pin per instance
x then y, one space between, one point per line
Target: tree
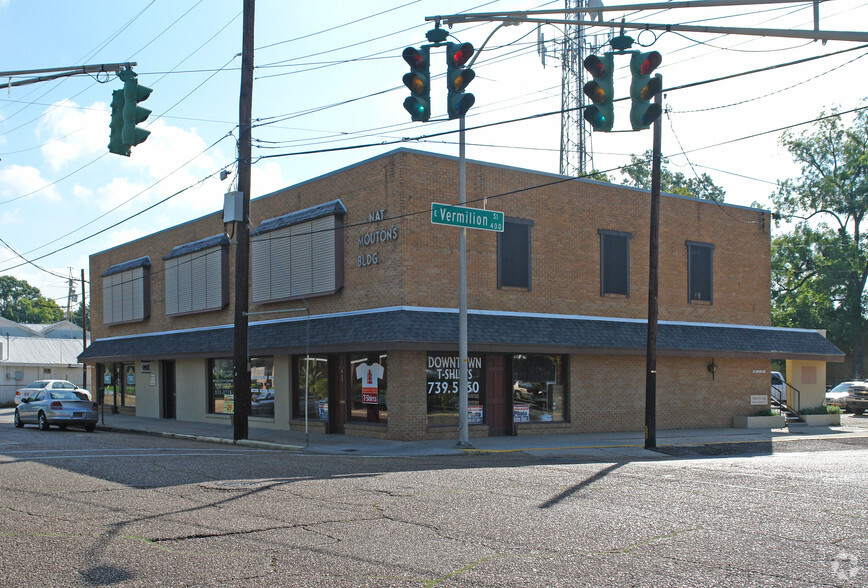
819 271
638 175
23 303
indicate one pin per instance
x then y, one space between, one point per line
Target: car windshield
842 387
66 395
38 384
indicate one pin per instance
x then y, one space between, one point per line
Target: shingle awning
436 329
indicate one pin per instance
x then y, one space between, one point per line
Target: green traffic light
116 144
600 90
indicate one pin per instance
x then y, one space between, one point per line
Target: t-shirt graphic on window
370 375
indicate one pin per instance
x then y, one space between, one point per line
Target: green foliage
23 303
822 409
819 270
638 175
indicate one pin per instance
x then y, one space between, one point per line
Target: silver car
57 407
31 388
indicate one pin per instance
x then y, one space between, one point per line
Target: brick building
354 297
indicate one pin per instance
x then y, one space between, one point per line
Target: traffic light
458 78
418 103
643 88
601 114
116 142
133 113
126 114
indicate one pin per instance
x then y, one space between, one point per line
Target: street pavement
595 446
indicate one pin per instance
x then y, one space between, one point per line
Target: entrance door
167 383
338 408
498 399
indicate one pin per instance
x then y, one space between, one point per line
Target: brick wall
419 267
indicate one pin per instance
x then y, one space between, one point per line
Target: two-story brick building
354 298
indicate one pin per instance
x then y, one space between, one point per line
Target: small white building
39 352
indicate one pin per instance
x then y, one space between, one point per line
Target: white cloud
19 180
70 132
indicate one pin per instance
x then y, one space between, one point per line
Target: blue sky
329 76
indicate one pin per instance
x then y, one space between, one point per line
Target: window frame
692 271
604 234
501 253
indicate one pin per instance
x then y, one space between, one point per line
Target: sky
328 93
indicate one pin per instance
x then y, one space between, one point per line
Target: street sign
470 218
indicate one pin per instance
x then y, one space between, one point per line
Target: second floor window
514 254
614 262
700 274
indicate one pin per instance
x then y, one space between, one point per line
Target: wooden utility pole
241 376
83 332
653 264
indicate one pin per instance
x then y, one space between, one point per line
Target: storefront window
128 398
221 400
537 388
311 389
262 387
369 389
442 389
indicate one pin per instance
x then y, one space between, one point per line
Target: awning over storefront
435 329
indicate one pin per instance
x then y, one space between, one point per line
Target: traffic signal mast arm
61 72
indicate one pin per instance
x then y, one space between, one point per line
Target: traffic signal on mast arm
133 113
458 78
601 114
418 103
116 142
643 88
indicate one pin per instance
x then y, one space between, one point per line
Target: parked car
779 387
849 395
858 399
34 387
61 407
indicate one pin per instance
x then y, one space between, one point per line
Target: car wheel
89 428
18 422
43 422
858 411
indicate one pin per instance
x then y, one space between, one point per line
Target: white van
779 387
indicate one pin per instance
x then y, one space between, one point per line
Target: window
221 399
262 387
514 254
311 388
699 271
197 276
126 293
538 388
221 386
442 389
614 262
298 254
370 388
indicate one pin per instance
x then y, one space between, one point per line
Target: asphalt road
111 509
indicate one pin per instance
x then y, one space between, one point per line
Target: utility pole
653 253
83 333
241 376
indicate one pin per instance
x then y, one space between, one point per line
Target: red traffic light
413 58
459 53
595 65
647 63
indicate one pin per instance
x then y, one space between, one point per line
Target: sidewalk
612 446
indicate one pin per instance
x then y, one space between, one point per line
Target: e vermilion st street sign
470 218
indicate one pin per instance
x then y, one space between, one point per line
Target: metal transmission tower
576 153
